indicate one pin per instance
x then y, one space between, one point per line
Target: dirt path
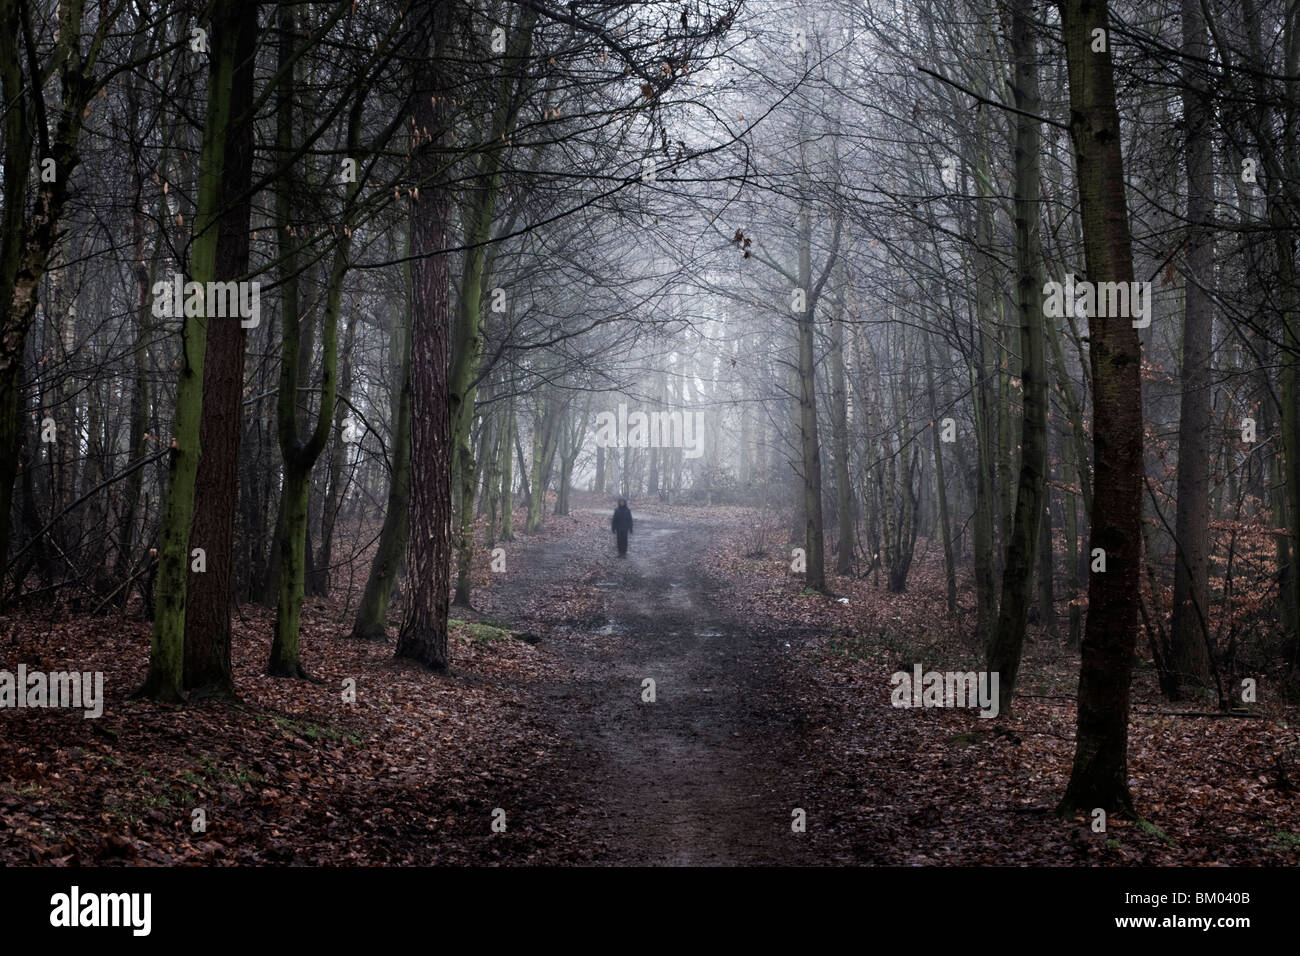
707 773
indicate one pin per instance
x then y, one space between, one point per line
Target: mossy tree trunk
372 615
300 456
467 340
216 488
165 678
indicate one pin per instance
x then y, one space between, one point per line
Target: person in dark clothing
621 525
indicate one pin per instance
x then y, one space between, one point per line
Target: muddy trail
706 772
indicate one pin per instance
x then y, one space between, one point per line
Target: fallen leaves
411 772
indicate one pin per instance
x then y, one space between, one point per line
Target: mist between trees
822 233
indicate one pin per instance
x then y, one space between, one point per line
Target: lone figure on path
621 525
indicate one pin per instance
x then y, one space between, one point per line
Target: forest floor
770 705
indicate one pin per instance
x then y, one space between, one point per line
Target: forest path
707 773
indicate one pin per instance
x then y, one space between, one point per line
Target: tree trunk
423 636
1046 576
216 489
1188 628
319 583
507 471
941 485
1099 777
985 561
300 456
1069 473
1282 210
139 427
546 426
809 442
165 677
372 615
840 441
1022 541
